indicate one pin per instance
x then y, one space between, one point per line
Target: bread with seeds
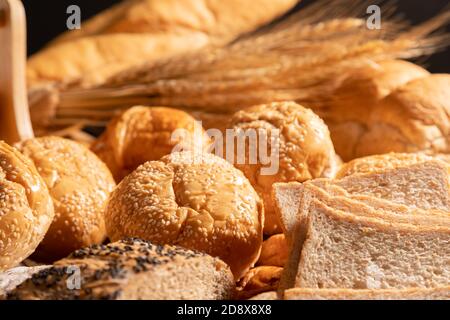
298 148
131 269
26 208
198 201
79 185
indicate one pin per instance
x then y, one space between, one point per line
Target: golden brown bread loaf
349 108
274 251
131 269
305 149
143 134
415 117
89 61
147 30
79 185
258 280
26 208
198 201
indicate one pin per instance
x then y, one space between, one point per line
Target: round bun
413 118
79 184
26 209
197 201
142 134
380 163
348 109
305 149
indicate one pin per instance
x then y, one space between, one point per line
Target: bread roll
348 109
198 201
305 149
258 280
415 117
142 134
26 209
274 251
146 30
130 270
79 185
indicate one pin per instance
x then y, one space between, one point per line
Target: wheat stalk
303 58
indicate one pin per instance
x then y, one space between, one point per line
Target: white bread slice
371 208
344 250
423 185
439 293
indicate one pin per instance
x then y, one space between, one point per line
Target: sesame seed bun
79 185
305 149
197 201
26 209
143 134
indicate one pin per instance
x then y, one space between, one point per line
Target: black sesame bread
11 278
130 269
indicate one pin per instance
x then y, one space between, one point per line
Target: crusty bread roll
349 107
26 209
415 117
305 149
142 134
130 270
198 201
146 30
380 163
258 280
274 251
79 185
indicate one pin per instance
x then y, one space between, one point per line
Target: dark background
47 18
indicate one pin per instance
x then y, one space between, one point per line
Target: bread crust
79 185
142 134
305 149
26 208
198 201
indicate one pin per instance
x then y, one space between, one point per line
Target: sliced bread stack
384 226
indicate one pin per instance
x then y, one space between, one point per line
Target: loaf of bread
198 201
146 30
297 137
142 134
26 208
79 185
11 278
131 269
405 181
346 250
347 110
415 117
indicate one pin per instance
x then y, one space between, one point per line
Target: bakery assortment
379 226
197 156
79 185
